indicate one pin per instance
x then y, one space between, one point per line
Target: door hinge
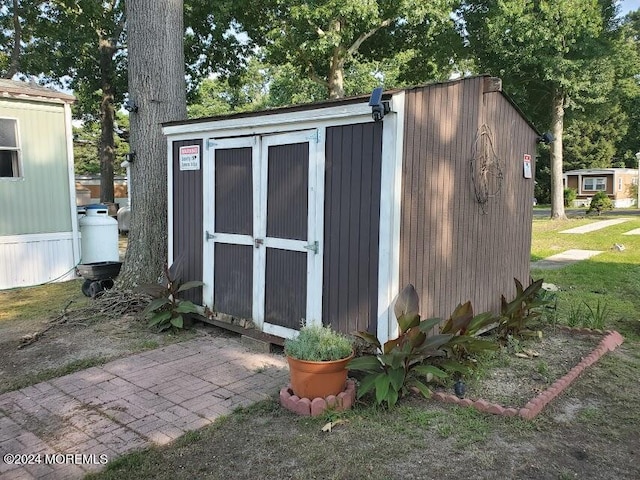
314 247
209 236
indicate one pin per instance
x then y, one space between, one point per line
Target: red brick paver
129 404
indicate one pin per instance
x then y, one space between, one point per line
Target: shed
319 213
38 224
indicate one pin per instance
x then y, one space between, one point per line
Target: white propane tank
99 235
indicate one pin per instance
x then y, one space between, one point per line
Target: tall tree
322 38
552 54
83 40
17 23
157 87
630 98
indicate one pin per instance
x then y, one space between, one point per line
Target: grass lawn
590 431
611 278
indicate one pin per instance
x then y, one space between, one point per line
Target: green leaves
166 310
516 315
406 308
403 361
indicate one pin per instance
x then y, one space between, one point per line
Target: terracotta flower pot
318 379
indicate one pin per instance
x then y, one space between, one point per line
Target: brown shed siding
352 226
233 191
187 220
450 249
572 182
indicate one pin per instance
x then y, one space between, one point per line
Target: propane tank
99 235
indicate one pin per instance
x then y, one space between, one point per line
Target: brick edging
609 343
313 407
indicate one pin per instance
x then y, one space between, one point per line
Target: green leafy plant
575 316
596 317
465 328
599 203
166 310
318 343
401 363
570 195
550 308
516 315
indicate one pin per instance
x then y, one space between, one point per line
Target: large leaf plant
402 363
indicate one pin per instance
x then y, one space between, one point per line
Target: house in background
616 182
39 239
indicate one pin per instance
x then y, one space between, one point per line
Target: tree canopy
320 39
554 56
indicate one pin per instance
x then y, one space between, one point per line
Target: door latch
314 247
258 241
209 236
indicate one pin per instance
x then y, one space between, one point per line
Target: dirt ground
68 346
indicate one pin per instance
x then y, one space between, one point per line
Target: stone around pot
318 358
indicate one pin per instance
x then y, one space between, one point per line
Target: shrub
599 203
416 358
570 195
318 343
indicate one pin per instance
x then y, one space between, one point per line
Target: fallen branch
111 305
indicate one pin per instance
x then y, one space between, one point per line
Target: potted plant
318 358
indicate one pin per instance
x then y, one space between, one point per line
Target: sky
627 6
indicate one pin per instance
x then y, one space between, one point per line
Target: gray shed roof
32 91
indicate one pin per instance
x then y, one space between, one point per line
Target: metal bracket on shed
314 247
209 236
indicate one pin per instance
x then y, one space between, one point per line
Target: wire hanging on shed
486 168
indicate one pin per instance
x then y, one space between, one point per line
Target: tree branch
314 77
356 45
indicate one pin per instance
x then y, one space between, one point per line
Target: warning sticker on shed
527 166
190 157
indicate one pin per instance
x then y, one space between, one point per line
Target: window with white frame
594 183
9 149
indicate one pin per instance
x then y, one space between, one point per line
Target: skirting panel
27 260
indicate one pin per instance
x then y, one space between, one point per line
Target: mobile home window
594 183
9 149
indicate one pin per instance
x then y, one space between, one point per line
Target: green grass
611 278
42 302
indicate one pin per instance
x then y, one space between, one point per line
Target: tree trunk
335 86
157 86
335 80
557 187
107 147
14 64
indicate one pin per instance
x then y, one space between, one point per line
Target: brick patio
150 398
